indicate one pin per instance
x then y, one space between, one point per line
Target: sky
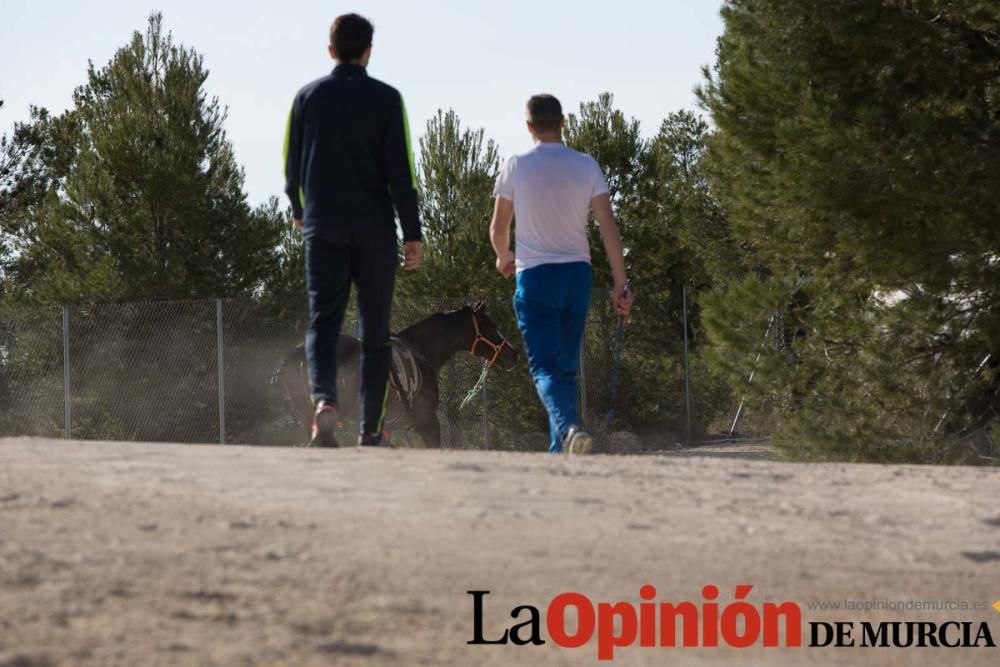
484 60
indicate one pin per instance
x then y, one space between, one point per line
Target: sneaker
371 440
324 426
578 441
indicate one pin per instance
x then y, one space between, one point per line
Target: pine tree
856 155
151 204
458 169
285 288
673 230
684 200
27 172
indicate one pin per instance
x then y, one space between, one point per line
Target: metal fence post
687 371
486 431
67 392
753 372
222 372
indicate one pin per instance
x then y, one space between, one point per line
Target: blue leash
619 339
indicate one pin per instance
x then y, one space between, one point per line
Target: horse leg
422 412
428 427
297 392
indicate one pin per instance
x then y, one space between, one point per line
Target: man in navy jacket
349 173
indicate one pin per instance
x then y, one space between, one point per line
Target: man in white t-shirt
551 191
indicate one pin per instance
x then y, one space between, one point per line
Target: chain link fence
201 371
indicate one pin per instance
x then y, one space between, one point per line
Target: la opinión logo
650 624
572 620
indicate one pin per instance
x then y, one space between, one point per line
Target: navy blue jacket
348 156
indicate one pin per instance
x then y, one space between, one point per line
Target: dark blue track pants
368 258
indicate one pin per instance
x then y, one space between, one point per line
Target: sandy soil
129 554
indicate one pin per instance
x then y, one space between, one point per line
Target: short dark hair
545 113
351 36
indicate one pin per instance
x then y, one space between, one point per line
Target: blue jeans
551 303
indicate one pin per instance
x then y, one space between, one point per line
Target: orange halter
480 338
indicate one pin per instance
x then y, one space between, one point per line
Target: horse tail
291 362
292 377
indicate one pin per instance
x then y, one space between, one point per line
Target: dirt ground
136 554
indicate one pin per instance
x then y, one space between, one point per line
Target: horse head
487 342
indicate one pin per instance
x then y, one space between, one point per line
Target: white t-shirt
551 187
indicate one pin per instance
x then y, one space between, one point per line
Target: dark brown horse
418 354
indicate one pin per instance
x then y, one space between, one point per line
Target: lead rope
619 340
477 389
487 364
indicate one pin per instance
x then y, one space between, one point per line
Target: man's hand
505 264
298 223
621 300
413 254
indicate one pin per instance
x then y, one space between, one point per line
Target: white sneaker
578 441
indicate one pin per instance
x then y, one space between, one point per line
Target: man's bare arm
503 215
610 235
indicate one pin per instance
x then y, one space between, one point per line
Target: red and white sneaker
324 426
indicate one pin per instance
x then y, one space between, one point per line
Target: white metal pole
67 393
687 370
486 428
